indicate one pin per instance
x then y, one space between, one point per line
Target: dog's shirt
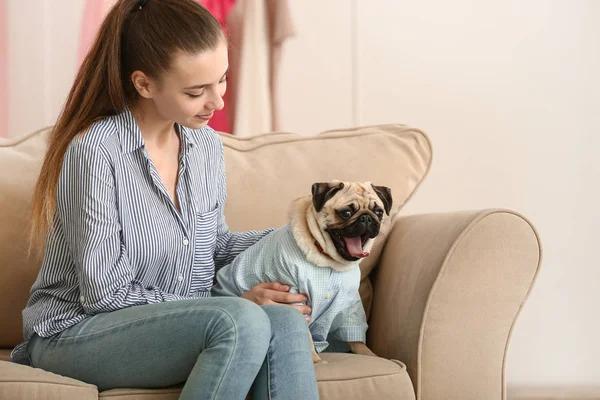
333 295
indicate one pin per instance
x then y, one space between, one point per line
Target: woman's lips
204 117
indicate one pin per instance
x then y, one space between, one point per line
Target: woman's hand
276 293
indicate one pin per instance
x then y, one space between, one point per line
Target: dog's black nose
365 219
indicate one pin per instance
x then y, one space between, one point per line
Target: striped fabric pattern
118 240
337 310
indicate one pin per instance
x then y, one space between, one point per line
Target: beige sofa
442 291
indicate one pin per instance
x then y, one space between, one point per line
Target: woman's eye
195 96
223 80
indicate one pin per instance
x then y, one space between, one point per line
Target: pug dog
318 254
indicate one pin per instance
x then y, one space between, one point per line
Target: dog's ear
385 194
323 191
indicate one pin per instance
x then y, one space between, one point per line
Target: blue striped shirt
337 310
118 240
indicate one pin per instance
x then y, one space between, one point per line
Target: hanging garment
257 30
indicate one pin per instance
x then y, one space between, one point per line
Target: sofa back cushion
264 174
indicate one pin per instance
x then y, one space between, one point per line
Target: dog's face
350 213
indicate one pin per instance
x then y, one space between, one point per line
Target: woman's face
193 88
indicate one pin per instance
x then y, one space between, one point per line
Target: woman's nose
216 101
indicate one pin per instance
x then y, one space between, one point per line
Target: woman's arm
87 214
230 244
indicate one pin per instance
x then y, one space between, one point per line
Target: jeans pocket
205 241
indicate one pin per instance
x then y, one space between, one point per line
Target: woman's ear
143 84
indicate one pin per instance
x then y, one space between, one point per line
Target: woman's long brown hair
131 38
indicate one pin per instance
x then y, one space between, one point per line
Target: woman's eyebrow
206 84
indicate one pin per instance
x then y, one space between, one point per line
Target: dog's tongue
354 246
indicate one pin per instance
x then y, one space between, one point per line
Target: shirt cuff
352 334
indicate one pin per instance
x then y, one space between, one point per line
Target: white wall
316 75
43 40
508 92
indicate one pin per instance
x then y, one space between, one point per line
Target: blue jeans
218 346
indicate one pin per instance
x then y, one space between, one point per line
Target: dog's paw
319 360
361 348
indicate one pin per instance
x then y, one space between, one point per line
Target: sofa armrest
447 292
21 382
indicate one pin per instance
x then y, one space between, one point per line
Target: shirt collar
131 138
130 135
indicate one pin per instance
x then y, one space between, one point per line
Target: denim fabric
217 346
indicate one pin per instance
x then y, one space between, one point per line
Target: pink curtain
93 15
220 9
3 69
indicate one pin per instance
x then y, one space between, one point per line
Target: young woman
129 210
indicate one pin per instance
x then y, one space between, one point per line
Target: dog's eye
379 213
345 214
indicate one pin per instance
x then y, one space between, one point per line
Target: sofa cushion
345 376
5 354
23 382
351 376
171 393
20 162
265 173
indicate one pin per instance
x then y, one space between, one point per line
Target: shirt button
82 298
186 241
180 278
328 295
